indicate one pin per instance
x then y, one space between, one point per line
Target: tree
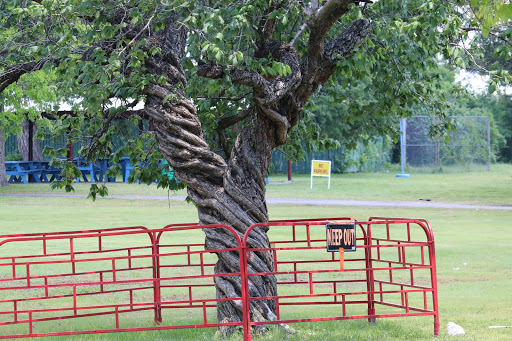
27 133
491 13
3 174
225 83
22 102
490 22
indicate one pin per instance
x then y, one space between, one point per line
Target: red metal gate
134 277
391 274
131 277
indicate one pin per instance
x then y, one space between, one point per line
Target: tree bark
3 175
24 141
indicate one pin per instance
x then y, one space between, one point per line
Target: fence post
155 249
370 282
246 303
433 276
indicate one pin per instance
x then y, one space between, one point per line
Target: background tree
24 101
491 32
3 175
225 83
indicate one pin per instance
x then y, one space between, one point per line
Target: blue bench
86 168
25 171
127 167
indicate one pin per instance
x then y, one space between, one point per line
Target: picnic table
41 171
102 166
126 168
86 168
30 171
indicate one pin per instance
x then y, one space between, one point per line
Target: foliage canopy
93 53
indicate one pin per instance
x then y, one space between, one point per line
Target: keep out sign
341 236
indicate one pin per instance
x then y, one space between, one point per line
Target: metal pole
404 137
488 143
402 148
289 170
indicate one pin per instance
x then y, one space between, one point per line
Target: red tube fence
136 278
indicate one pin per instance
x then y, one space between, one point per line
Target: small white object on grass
455 329
456 269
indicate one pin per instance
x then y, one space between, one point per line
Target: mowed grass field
473 246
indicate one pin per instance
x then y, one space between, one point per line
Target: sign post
341 237
321 168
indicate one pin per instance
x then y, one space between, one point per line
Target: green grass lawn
484 188
472 246
477 187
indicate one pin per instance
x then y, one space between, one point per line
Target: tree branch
344 44
139 33
12 75
491 32
319 65
228 122
322 21
232 120
223 98
266 25
238 76
299 33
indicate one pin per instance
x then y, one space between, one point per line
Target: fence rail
133 277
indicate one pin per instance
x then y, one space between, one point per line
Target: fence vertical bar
370 281
114 279
72 255
311 283
244 278
30 330
13 267
28 275
131 299
15 311
277 309
433 275
75 312
308 235
156 277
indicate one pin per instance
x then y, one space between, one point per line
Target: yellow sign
321 168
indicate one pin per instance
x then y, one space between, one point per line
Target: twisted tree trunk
233 195
233 192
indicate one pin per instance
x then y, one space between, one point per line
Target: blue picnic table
41 171
127 167
93 171
86 168
30 171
